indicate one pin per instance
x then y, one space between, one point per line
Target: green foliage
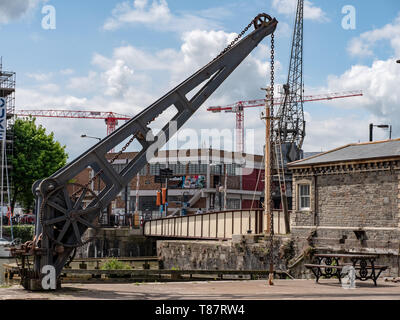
114 264
36 156
24 232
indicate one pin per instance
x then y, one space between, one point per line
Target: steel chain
271 234
86 186
235 40
130 141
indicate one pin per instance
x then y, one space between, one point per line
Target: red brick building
198 182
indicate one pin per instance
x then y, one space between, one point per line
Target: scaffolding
7 91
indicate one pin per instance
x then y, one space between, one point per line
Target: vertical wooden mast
267 180
267 185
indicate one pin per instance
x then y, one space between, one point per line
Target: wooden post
267 186
267 173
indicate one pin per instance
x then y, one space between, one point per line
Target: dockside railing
214 225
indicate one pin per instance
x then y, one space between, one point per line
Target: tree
36 156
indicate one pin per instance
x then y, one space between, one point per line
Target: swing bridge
221 225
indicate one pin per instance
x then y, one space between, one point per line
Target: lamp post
382 126
86 136
98 180
218 188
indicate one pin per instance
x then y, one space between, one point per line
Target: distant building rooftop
353 152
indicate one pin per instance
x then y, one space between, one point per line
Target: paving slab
221 290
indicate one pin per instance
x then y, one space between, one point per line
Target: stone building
348 199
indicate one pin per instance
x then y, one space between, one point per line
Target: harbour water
2 263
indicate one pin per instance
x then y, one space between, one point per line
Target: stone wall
358 199
363 199
346 202
119 242
223 255
342 205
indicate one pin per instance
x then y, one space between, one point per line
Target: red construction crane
110 118
239 107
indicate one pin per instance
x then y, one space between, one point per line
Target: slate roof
356 151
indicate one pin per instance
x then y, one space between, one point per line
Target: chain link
235 40
86 186
240 35
271 234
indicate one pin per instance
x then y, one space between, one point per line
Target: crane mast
61 207
290 124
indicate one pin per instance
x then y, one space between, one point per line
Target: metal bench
329 266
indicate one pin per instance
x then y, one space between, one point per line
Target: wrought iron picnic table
330 265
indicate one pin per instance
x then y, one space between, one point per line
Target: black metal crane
290 126
62 210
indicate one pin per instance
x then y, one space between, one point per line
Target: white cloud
67 72
50 87
333 131
157 15
16 9
311 12
117 79
131 79
379 83
364 44
379 104
85 84
166 68
36 99
41 77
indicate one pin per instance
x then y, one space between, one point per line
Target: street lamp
86 136
219 188
98 179
382 126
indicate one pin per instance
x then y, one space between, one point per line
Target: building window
304 197
194 168
203 168
233 203
197 168
177 168
155 168
231 169
216 169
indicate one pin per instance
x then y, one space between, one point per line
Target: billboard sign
3 118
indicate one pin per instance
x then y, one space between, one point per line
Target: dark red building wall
249 182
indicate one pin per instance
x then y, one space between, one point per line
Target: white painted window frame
301 196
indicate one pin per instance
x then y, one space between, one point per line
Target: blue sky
122 55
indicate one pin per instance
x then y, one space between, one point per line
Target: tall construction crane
240 106
111 118
63 215
289 127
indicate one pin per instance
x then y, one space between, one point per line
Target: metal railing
214 225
